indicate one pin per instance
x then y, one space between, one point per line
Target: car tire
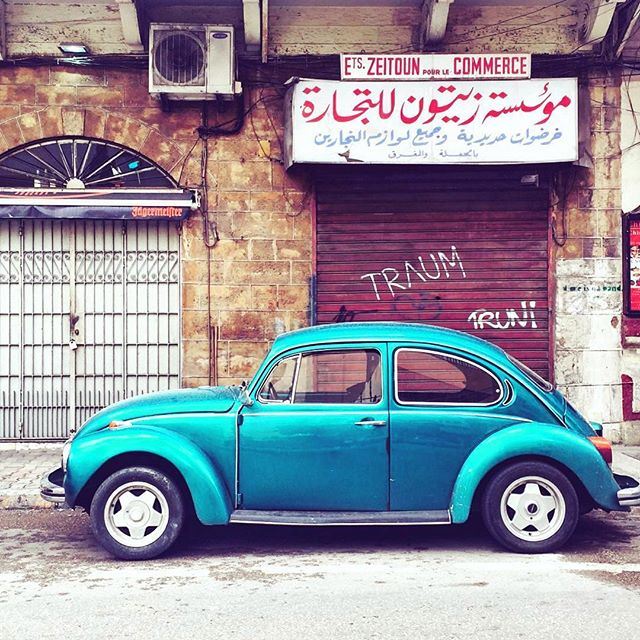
530 507
137 513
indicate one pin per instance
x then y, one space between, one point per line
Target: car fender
557 443
88 454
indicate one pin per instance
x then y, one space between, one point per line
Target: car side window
278 387
350 376
427 377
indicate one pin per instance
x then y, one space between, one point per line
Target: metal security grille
460 248
89 314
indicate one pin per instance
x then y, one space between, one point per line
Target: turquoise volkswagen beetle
359 423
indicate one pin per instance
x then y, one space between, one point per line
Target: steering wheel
272 392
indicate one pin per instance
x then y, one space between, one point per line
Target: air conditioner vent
192 61
179 58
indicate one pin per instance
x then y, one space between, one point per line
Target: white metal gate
89 314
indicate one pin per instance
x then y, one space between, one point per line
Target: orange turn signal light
604 447
118 424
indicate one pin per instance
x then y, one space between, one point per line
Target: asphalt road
259 582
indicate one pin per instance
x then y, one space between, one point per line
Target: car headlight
66 448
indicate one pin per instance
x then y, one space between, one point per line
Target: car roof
387 332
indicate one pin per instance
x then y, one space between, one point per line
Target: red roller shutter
459 248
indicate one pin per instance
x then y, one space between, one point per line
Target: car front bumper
51 487
629 493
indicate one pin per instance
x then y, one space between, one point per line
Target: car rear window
426 377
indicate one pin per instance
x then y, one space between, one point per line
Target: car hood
202 399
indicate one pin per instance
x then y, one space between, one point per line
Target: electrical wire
187 158
478 30
562 192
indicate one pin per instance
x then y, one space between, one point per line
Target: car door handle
369 422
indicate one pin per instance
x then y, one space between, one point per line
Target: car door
316 436
443 404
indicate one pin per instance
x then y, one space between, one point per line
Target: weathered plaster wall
34 27
261 265
588 268
491 28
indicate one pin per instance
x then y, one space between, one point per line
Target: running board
333 518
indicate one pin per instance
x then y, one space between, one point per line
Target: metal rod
102 166
84 159
21 345
120 175
64 161
46 164
71 236
125 340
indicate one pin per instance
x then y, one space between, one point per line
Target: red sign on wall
435 66
631 242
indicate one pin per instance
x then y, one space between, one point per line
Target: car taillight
604 448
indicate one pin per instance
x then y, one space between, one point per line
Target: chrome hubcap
532 508
136 514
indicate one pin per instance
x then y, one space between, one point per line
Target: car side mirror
245 398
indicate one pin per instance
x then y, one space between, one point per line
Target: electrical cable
562 199
186 159
476 30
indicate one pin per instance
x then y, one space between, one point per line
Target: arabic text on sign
453 105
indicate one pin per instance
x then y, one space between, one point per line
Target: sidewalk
22 466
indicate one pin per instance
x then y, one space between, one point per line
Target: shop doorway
89 315
89 282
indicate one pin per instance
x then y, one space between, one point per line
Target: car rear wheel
137 513
530 507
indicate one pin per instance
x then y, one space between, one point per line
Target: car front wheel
530 507
137 513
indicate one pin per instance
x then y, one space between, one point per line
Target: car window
426 377
278 387
350 376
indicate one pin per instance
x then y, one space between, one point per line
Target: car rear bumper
51 487
629 493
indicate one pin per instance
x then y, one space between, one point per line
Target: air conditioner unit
192 62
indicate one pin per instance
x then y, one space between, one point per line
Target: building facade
528 255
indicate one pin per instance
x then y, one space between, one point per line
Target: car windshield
538 380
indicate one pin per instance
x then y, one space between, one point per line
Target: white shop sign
435 66
449 122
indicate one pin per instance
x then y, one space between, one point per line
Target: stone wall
588 349
261 265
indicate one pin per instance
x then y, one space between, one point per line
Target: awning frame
98 204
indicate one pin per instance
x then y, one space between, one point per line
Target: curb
24 501
622 463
